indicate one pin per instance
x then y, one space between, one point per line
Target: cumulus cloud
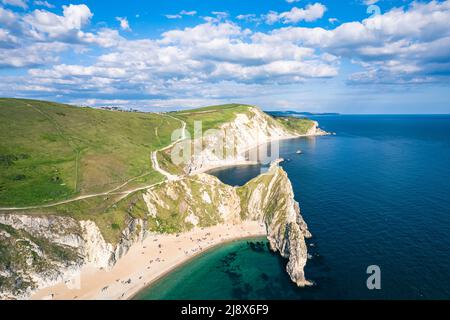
47 24
220 59
401 45
38 37
212 60
311 12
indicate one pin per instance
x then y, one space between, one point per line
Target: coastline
146 262
131 273
236 163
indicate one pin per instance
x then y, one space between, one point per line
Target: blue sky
356 56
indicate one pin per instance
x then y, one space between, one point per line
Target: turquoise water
377 193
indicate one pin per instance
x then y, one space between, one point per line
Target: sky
355 56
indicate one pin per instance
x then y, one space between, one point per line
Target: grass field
211 117
50 151
297 125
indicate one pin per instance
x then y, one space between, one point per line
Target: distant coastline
298 113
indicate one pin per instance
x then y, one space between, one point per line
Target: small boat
299 152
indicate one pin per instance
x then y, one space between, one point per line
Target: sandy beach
146 262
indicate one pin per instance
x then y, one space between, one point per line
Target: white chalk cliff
247 131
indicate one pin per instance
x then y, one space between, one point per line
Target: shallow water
377 193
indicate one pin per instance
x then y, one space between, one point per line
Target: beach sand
146 262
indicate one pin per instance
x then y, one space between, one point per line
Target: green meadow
51 152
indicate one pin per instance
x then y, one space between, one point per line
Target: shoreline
199 254
134 272
239 163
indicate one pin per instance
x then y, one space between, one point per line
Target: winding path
154 156
155 165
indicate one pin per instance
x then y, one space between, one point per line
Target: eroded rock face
40 251
202 200
270 198
247 131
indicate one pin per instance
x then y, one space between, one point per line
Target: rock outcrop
270 198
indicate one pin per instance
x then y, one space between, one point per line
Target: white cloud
210 60
219 59
7 18
370 2
311 12
188 13
182 13
45 23
272 17
248 17
333 20
401 45
7 39
124 25
31 55
173 16
16 3
38 37
43 4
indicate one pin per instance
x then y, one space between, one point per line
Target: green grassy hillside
50 151
211 117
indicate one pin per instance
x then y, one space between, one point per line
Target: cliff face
270 198
39 251
247 131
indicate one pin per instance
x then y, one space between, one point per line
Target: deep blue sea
376 193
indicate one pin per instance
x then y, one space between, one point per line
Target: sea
377 193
